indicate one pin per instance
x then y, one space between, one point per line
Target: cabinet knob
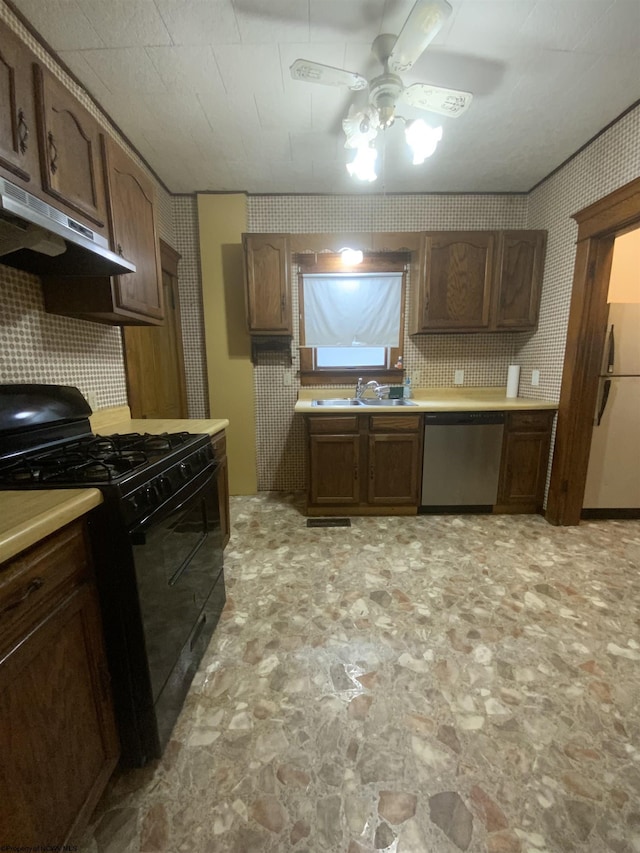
23 132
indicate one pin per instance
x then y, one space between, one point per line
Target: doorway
153 355
598 226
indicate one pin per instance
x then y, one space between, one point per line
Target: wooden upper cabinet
19 160
268 284
458 277
519 267
477 281
70 151
132 220
134 299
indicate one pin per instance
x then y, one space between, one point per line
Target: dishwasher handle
463 418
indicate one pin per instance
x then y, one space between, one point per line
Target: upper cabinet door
71 158
267 281
132 219
18 140
458 273
518 279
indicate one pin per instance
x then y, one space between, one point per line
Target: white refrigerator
613 475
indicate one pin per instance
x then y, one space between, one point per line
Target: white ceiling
202 87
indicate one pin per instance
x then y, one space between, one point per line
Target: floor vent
328 522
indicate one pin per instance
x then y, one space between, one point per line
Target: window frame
328 262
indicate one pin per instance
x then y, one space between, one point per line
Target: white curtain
344 310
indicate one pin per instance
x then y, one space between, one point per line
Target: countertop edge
305 407
43 512
209 426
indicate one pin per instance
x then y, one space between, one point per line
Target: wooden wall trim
169 258
611 214
598 226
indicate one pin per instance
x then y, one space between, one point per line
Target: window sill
350 375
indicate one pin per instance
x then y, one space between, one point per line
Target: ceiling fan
396 55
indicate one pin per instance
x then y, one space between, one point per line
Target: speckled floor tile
407 685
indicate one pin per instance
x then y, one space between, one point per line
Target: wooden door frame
169 259
598 226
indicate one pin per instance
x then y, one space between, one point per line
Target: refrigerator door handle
606 389
611 357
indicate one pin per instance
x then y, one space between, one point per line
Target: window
351 318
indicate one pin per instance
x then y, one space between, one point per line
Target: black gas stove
156 545
140 470
45 446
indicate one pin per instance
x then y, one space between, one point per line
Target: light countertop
28 516
427 400
118 420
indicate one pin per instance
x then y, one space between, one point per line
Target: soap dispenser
406 391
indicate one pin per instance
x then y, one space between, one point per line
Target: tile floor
404 685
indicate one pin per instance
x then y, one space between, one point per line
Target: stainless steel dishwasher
461 464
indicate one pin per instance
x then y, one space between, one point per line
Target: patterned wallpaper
430 360
609 162
185 217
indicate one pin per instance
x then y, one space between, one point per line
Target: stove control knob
164 486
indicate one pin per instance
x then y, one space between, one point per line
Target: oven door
177 553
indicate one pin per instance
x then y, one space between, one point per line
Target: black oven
156 544
162 590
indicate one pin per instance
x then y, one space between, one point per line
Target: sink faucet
372 385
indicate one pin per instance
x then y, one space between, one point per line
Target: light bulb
422 139
363 164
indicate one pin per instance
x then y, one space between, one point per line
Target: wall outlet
535 377
458 377
92 399
286 377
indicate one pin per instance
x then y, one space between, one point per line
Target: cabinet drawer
34 582
395 423
336 424
532 421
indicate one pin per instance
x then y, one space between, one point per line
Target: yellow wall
624 284
222 219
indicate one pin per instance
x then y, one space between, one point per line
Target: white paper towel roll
513 380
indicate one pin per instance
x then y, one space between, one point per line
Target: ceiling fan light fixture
422 139
363 165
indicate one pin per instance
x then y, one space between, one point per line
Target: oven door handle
169 506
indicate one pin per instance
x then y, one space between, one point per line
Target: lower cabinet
525 457
372 464
364 464
219 443
58 738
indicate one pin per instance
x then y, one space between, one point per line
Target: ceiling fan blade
421 27
446 102
315 72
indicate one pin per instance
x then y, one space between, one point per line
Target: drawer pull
32 586
53 154
23 132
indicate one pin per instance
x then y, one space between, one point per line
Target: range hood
38 238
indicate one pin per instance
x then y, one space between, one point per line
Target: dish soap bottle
406 391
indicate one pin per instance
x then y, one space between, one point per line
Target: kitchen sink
353 401
340 401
